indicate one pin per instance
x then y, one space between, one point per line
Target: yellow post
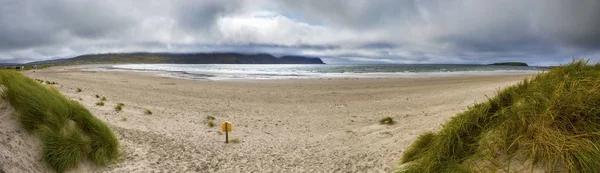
226 134
226 127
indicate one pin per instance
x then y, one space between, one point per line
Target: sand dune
303 125
20 151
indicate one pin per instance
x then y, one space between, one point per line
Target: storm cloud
540 32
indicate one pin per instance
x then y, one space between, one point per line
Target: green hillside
511 63
183 58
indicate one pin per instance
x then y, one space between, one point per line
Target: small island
510 64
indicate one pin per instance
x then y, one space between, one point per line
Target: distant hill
182 58
511 63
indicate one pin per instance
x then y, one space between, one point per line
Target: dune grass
210 123
550 122
148 112
100 103
68 131
119 107
387 121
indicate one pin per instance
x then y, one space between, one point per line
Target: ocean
293 71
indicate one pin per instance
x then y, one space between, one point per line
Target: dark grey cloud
378 45
200 16
341 31
355 13
574 23
27 24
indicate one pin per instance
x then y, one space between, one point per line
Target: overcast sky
539 32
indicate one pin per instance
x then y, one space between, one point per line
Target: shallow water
290 71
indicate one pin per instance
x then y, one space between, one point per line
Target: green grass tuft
210 118
103 98
118 108
78 90
100 103
549 122
387 121
210 123
235 141
98 96
147 112
69 132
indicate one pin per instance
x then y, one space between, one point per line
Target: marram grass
69 132
549 123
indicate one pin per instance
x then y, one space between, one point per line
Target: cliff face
301 59
189 58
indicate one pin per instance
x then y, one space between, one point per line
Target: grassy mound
550 123
69 132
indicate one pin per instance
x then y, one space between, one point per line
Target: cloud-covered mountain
181 58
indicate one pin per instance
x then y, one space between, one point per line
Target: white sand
20 151
308 125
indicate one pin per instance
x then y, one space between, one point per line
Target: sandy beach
291 125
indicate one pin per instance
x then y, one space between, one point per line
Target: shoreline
302 125
214 76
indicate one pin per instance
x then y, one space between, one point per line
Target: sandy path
316 125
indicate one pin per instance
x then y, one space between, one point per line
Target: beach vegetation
97 96
209 123
103 98
78 90
235 141
28 67
69 133
549 122
147 112
210 117
123 118
387 121
100 103
118 107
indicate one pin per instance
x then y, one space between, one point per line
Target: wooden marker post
226 127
